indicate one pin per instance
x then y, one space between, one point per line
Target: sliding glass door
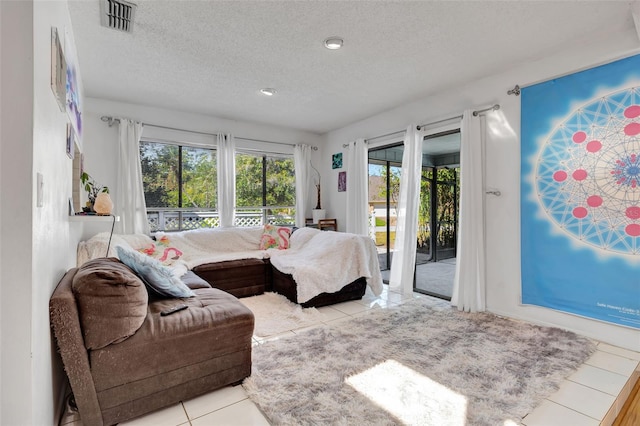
385 166
438 215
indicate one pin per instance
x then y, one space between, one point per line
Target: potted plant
317 213
93 189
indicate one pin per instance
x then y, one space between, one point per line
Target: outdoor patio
436 278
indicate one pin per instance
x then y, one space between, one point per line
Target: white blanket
208 245
319 261
326 261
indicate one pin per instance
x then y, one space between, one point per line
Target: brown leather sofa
250 277
123 359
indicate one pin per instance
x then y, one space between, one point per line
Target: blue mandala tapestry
580 193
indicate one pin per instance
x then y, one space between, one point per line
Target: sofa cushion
154 274
241 278
215 324
275 237
112 301
193 281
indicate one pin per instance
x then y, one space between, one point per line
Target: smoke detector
117 14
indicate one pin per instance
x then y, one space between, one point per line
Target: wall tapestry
74 86
580 193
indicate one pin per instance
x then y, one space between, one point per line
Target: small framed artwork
336 162
71 141
342 181
58 70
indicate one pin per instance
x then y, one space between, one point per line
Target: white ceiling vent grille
117 14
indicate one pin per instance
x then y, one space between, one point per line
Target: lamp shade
103 204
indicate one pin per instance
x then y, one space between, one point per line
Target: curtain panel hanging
404 256
469 281
226 179
129 197
357 218
301 161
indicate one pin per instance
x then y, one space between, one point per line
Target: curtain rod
345 145
475 114
110 120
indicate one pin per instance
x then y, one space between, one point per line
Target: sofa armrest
65 322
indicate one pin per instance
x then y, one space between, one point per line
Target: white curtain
129 197
469 282
357 219
404 255
226 159
301 161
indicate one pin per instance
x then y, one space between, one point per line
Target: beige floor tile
397 297
614 363
583 399
350 308
599 379
329 314
243 413
339 322
605 347
212 401
376 303
551 414
170 416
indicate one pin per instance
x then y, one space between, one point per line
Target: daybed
123 359
312 267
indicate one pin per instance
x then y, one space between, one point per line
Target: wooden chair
331 224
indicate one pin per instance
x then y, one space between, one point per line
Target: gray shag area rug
416 365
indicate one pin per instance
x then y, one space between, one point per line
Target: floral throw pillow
275 237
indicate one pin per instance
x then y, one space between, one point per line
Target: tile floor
593 395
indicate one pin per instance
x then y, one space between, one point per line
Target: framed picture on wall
73 86
336 162
71 141
342 181
58 70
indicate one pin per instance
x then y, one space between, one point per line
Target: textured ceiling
212 57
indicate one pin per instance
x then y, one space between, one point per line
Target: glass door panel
438 215
385 166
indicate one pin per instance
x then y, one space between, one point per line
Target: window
265 190
181 186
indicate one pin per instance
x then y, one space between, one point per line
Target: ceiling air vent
117 14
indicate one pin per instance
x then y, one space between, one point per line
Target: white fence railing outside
165 219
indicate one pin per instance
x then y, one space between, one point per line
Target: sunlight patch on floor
410 396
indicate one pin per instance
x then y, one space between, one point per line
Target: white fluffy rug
275 314
413 365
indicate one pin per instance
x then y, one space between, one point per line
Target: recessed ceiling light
268 91
333 43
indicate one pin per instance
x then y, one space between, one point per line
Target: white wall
16 48
101 141
38 243
503 170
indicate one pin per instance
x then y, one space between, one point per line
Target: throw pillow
154 274
275 237
112 301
